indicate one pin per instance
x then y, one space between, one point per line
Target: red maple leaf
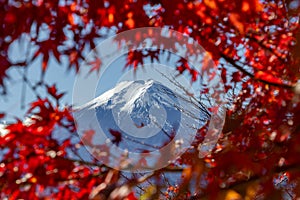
95 65
2 115
117 136
52 90
88 137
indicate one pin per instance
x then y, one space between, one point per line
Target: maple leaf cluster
255 45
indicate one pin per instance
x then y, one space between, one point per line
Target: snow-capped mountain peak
132 94
147 114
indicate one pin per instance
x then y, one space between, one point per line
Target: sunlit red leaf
131 196
267 77
135 58
95 65
235 20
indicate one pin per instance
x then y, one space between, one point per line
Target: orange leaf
258 5
71 19
186 174
130 23
110 18
235 20
245 6
267 77
211 4
232 195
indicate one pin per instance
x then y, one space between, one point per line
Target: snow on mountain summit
130 93
146 113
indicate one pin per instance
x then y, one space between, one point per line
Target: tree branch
241 69
239 184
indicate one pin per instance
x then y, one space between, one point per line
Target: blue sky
57 73
64 79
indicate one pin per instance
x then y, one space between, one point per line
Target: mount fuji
141 116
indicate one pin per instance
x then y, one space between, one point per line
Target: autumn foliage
255 45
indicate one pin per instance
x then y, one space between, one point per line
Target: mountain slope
141 116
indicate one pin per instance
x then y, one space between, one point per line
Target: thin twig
241 69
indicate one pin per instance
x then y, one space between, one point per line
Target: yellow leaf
149 192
